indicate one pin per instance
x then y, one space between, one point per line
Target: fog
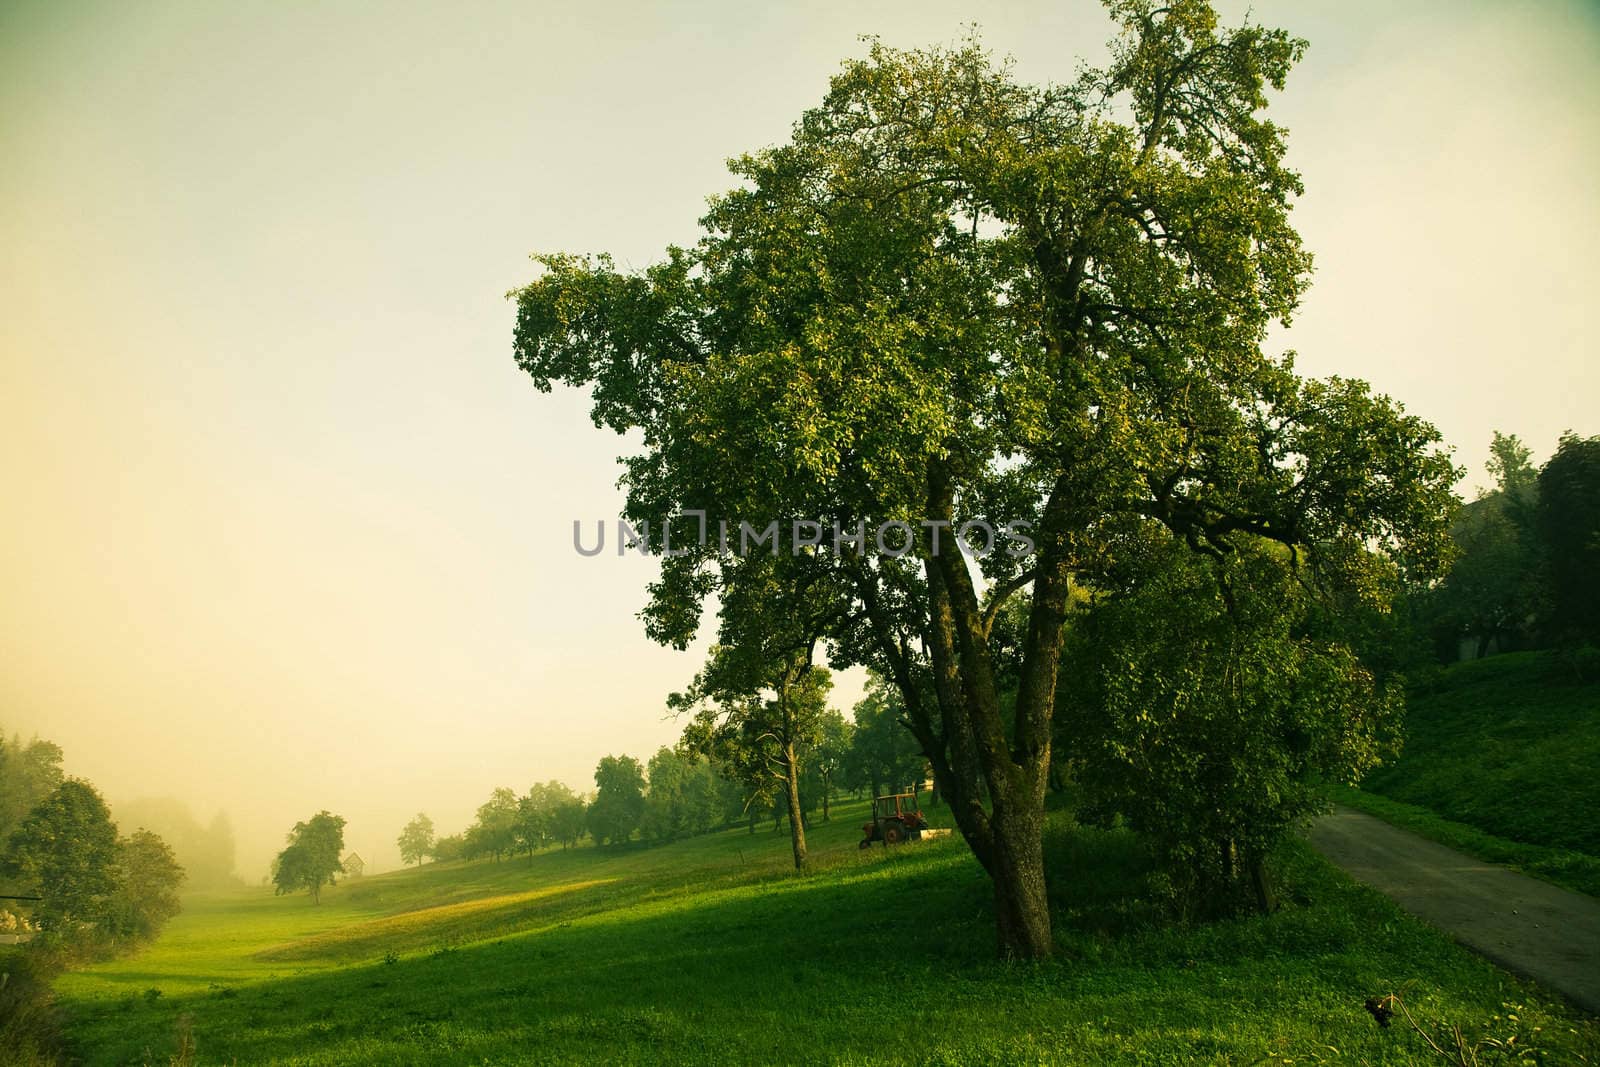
285 528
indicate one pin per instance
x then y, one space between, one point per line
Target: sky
285 529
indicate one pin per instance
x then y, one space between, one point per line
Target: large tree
311 859
66 852
954 297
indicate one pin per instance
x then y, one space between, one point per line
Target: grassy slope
1501 761
709 951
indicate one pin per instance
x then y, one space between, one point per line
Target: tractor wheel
866 842
893 833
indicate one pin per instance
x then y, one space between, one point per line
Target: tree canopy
416 840
957 301
312 859
618 804
66 850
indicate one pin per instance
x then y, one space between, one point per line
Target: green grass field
710 951
1501 761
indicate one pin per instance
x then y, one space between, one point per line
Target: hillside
1499 760
710 951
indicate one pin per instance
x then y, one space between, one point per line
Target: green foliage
101 893
747 733
953 296
568 819
495 831
550 811
28 773
416 840
312 858
1496 590
30 1024
66 850
1209 716
684 798
679 954
883 756
618 804
146 895
1507 745
450 848
666 804
829 756
1568 519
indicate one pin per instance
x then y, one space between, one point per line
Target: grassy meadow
1500 761
713 950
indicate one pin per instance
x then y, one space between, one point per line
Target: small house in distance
354 865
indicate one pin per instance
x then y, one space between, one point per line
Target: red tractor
895 818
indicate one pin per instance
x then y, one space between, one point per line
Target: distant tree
666 802
311 860
416 840
703 789
828 756
569 820
537 814
1510 463
448 849
495 832
146 894
529 832
66 851
205 850
1495 589
618 801
29 772
761 741
883 755
1568 522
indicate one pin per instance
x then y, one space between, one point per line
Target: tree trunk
1021 906
1261 883
827 787
797 830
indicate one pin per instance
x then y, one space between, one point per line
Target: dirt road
1525 925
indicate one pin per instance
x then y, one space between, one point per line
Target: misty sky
284 527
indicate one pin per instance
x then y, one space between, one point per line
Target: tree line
75 886
1527 567
724 772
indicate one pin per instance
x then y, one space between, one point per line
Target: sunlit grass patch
445 923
